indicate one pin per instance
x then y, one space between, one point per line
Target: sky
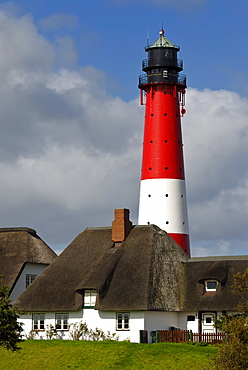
72 126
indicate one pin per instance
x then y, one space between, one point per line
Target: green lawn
62 354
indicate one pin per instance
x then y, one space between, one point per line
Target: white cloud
216 150
22 46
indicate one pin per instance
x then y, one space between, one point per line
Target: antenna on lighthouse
147 38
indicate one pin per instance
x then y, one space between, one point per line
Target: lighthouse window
167 222
165 114
151 141
165 73
149 195
152 114
150 168
166 195
166 141
166 168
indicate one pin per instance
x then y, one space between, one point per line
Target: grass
62 354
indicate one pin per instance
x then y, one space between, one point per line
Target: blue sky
71 124
111 34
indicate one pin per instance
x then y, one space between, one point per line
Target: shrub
10 328
31 335
80 330
51 332
234 354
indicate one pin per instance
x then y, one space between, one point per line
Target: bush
31 335
234 354
10 329
51 332
80 331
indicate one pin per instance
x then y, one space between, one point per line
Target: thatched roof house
143 273
221 269
140 279
19 246
147 271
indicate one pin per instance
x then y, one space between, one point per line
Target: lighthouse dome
162 41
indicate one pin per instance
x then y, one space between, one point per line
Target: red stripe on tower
162 189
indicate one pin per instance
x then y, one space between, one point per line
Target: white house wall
20 285
183 324
157 320
106 321
103 320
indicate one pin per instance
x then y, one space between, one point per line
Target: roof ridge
16 229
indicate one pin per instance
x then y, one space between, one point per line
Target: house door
208 322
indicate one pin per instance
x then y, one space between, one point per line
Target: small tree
10 329
240 288
234 354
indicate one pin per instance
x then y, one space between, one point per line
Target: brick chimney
121 226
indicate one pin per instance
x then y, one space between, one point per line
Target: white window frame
30 278
38 321
211 289
61 321
90 298
123 321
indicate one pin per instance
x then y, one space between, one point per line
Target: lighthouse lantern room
162 190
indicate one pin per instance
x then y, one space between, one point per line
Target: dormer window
90 298
211 285
29 279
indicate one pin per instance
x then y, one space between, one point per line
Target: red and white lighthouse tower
162 189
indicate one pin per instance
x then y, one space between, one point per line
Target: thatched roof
148 271
222 269
144 273
18 246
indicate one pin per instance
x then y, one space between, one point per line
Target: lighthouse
162 189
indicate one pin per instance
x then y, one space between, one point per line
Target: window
29 279
211 285
191 318
165 73
90 297
122 320
38 321
61 321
